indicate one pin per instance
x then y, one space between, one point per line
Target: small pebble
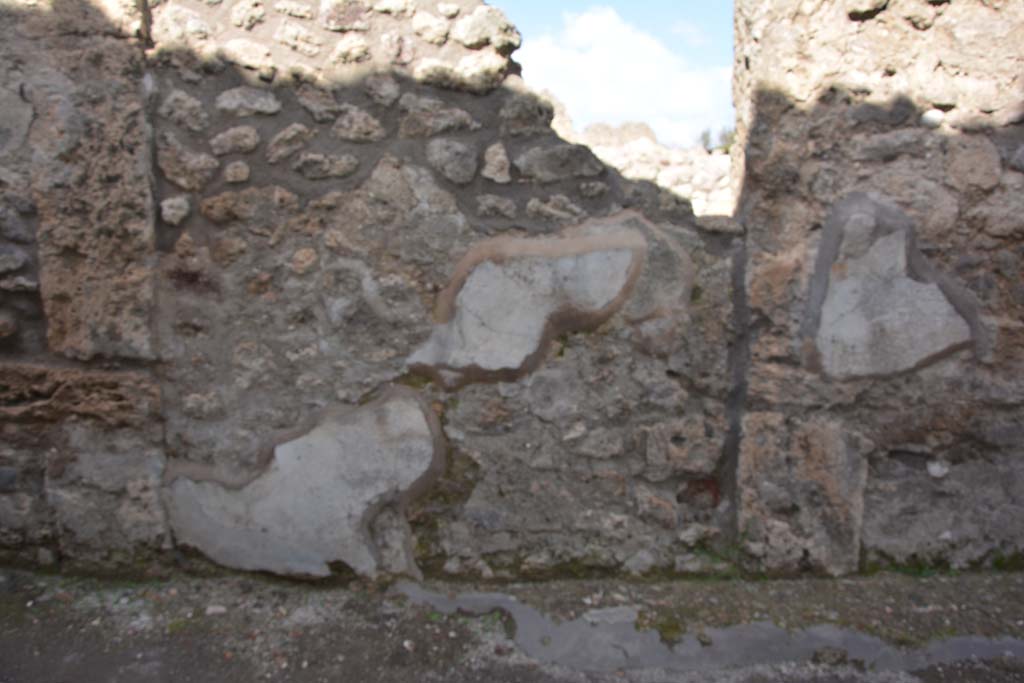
214 610
933 118
409 645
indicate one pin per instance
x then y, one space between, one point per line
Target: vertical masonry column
81 450
882 186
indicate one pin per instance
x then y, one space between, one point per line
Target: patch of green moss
414 381
669 627
1009 563
696 294
177 626
915 566
500 620
561 343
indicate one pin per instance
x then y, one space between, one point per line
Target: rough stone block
801 493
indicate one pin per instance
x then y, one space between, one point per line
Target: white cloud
607 71
692 34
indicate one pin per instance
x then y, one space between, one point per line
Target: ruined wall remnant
884 280
293 284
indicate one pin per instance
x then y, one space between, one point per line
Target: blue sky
666 63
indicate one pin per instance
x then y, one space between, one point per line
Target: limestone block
496 164
455 160
801 493
104 489
428 116
552 163
431 28
188 169
318 166
357 125
288 142
235 140
184 110
344 15
487 26
174 210
350 49
246 101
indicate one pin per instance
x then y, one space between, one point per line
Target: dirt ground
235 628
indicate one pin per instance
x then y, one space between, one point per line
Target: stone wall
883 195
287 277
300 285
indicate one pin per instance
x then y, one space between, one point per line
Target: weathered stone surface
174 210
247 14
526 113
395 7
882 313
428 116
11 259
487 25
30 392
246 101
236 172
248 54
315 501
556 207
291 8
972 163
1017 162
357 125
13 227
288 142
104 489
185 110
431 28
690 447
477 73
15 118
236 140
90 186
176 26
350 49
382 89
8 324
558 162
1001 214
317 166
320 104
910 515
299 38
801 501
188 169
510 297
494 205
496 164
455 160
344 15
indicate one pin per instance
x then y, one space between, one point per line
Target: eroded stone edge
891 219
233 537
573 241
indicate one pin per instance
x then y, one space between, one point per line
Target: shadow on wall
882 345
228 246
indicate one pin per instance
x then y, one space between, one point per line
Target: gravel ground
58 629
